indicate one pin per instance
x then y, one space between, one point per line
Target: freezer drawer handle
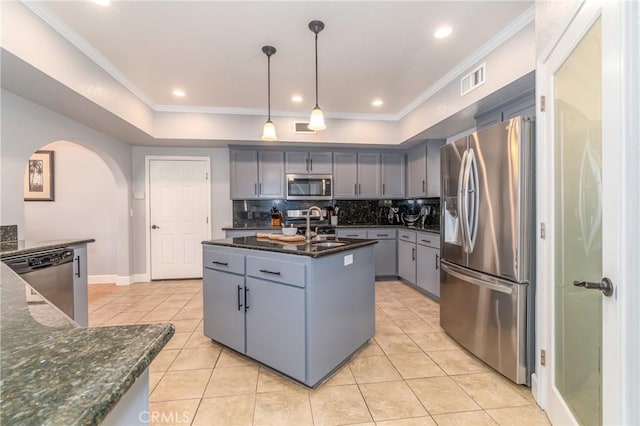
502 288
606 286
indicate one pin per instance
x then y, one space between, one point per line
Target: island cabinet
302 162
385 252
256 174
356 175
300 315
428 265
407 255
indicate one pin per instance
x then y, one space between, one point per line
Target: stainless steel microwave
309 187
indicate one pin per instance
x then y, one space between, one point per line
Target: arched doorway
85 205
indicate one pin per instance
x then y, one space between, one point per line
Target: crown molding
496 41
44 13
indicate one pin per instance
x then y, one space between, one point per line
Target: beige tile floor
411 373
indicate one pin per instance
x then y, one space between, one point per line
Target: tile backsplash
8 232
352 212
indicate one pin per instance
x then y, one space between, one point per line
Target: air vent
472 80
302 127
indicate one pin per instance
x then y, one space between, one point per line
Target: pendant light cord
268 87
316 70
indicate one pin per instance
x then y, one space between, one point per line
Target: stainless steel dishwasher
50 273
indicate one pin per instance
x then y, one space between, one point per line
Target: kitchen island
302 309
54 372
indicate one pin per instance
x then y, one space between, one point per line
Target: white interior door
583 180
179 217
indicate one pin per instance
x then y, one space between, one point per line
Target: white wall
26 127
221 206
85 205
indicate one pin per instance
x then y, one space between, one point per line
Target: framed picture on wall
38 177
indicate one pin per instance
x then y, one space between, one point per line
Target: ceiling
212 50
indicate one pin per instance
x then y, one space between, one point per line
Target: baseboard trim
102 279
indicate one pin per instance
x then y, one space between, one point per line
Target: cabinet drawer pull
239 304
215 262
351 235
382 235
266 271
426 241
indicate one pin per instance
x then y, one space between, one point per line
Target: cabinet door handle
239 304
266 271
383 189
246 299
359 189
306 164
437 259
78 267
355 189
423 186
260 188
255 188
413 254
311 163
215 262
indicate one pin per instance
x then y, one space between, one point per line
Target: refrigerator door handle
472 192
496 286
461 199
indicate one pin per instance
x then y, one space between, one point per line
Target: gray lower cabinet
385 252
407 260
223 295
428 270
80 286
276 326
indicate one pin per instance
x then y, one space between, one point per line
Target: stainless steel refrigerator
486 283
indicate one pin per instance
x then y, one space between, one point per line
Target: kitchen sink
329 244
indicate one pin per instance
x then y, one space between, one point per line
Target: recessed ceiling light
104 3
443 32
296 98
179 93
377 102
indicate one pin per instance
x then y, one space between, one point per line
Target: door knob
606 286
155 227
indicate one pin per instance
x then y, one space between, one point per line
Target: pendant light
269 131
316 121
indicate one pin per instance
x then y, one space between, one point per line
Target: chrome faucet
307 234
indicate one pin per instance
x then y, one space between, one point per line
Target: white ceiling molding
505 34
72 37
44 13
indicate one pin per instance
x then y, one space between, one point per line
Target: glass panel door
578 227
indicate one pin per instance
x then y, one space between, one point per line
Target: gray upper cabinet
417 172
393 175
271 174
356 175
256 174
369 175
244 174
433 168
522 105
299 162
345 175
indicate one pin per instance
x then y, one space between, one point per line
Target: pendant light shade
269 130
316 121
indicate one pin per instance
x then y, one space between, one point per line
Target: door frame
621 157
147 182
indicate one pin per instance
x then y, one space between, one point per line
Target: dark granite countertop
435 229
16 248
300 248
54 372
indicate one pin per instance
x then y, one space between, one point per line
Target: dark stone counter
301 248
435 229
16 248
54 372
